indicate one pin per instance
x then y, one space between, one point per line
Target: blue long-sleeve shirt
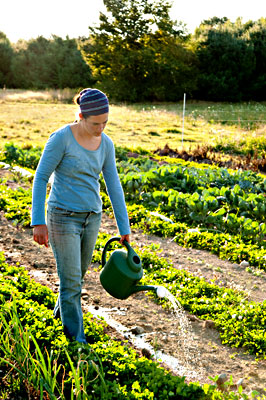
76 185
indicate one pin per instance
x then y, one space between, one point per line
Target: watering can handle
113 239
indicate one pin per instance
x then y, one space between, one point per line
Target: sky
27 19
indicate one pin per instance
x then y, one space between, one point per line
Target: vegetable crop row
17 206
105 369
241 323
225 246
191 175
217 306
188 179
195 196
209 197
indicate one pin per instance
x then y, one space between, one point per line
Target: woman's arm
116 193
51 157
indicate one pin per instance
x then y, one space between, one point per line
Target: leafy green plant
106 369
16 204
23 156
52 365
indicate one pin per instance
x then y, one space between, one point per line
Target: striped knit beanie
93 102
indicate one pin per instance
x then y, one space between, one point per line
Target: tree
68 68
49 63
6 54
226 61
257 34
213 22
129 52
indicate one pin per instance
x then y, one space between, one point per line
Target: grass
32 123
30 117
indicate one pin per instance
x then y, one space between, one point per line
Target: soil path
159 326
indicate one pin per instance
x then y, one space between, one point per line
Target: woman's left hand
125 237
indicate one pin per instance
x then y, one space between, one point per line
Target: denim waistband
71 212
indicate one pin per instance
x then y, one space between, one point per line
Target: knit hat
93 102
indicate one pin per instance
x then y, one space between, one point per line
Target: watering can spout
142 288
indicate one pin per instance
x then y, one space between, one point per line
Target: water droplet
161 291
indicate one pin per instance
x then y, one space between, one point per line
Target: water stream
185 336
189 366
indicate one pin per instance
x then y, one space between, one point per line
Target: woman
76 153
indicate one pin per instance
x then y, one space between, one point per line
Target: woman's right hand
40 234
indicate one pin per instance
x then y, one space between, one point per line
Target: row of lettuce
208 198
239 321
17 207
34 347
209 208
16 204
216 305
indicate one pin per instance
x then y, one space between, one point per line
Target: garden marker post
184 108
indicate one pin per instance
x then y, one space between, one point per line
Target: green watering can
122 271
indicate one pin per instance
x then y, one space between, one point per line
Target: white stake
184 108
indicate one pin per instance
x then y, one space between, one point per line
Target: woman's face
95 124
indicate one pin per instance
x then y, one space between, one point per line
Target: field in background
28 117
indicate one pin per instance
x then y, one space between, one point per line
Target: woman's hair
76 99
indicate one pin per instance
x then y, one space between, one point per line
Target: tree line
138 53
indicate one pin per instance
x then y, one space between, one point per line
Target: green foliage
210 198
107 369
241 192
137 53
16 204
257 33
238 320
252 146
6 55
226 208
49 63
28 156
224 245
229 59
33 343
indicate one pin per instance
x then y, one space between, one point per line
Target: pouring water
185 331
161 291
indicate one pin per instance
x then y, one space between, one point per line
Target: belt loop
86 218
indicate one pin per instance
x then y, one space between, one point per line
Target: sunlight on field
148 128
30 117
30 96
27 122
32 123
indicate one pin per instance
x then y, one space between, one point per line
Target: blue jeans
72 236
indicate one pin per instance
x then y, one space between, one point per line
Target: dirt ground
201 351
